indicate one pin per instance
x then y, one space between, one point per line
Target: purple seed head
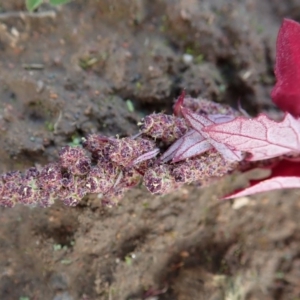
13 176
164 127
28 195
75 160
9 188
125 151
158 180
130 178
201 168
31 173
81 167
46 198
102 177
50 177
71 201
205 107
97 145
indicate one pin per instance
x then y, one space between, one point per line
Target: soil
100 66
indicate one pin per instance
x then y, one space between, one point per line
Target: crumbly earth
100 66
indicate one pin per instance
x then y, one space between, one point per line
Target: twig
23 15
57 122
34 66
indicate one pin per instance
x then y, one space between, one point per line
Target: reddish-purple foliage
204 141
189 145
264 138
198 114
200 122
257 138
261 137
286 93
285 174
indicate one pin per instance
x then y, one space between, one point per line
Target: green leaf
130 105
58 2
31 5
66 261
57 247
128 260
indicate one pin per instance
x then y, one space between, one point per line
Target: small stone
58 282
63 296
240 202
40 86
187 58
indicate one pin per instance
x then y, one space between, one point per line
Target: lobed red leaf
286 93
199 123
189 145
178 104
261 137
286 174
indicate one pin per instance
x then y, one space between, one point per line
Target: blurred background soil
100 66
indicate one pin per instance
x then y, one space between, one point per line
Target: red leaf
261 137
189 145
199 122
178 104
274 183
286 174
193 144
286 93
145 156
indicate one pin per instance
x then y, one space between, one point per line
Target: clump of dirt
73 70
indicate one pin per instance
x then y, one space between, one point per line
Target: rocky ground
100 66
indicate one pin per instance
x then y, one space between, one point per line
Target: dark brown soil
68 72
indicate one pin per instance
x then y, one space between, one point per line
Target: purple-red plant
264 138
256 139
204 141
286 93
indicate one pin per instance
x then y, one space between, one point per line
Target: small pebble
58 282
39 86
63 296
187 58
240 202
